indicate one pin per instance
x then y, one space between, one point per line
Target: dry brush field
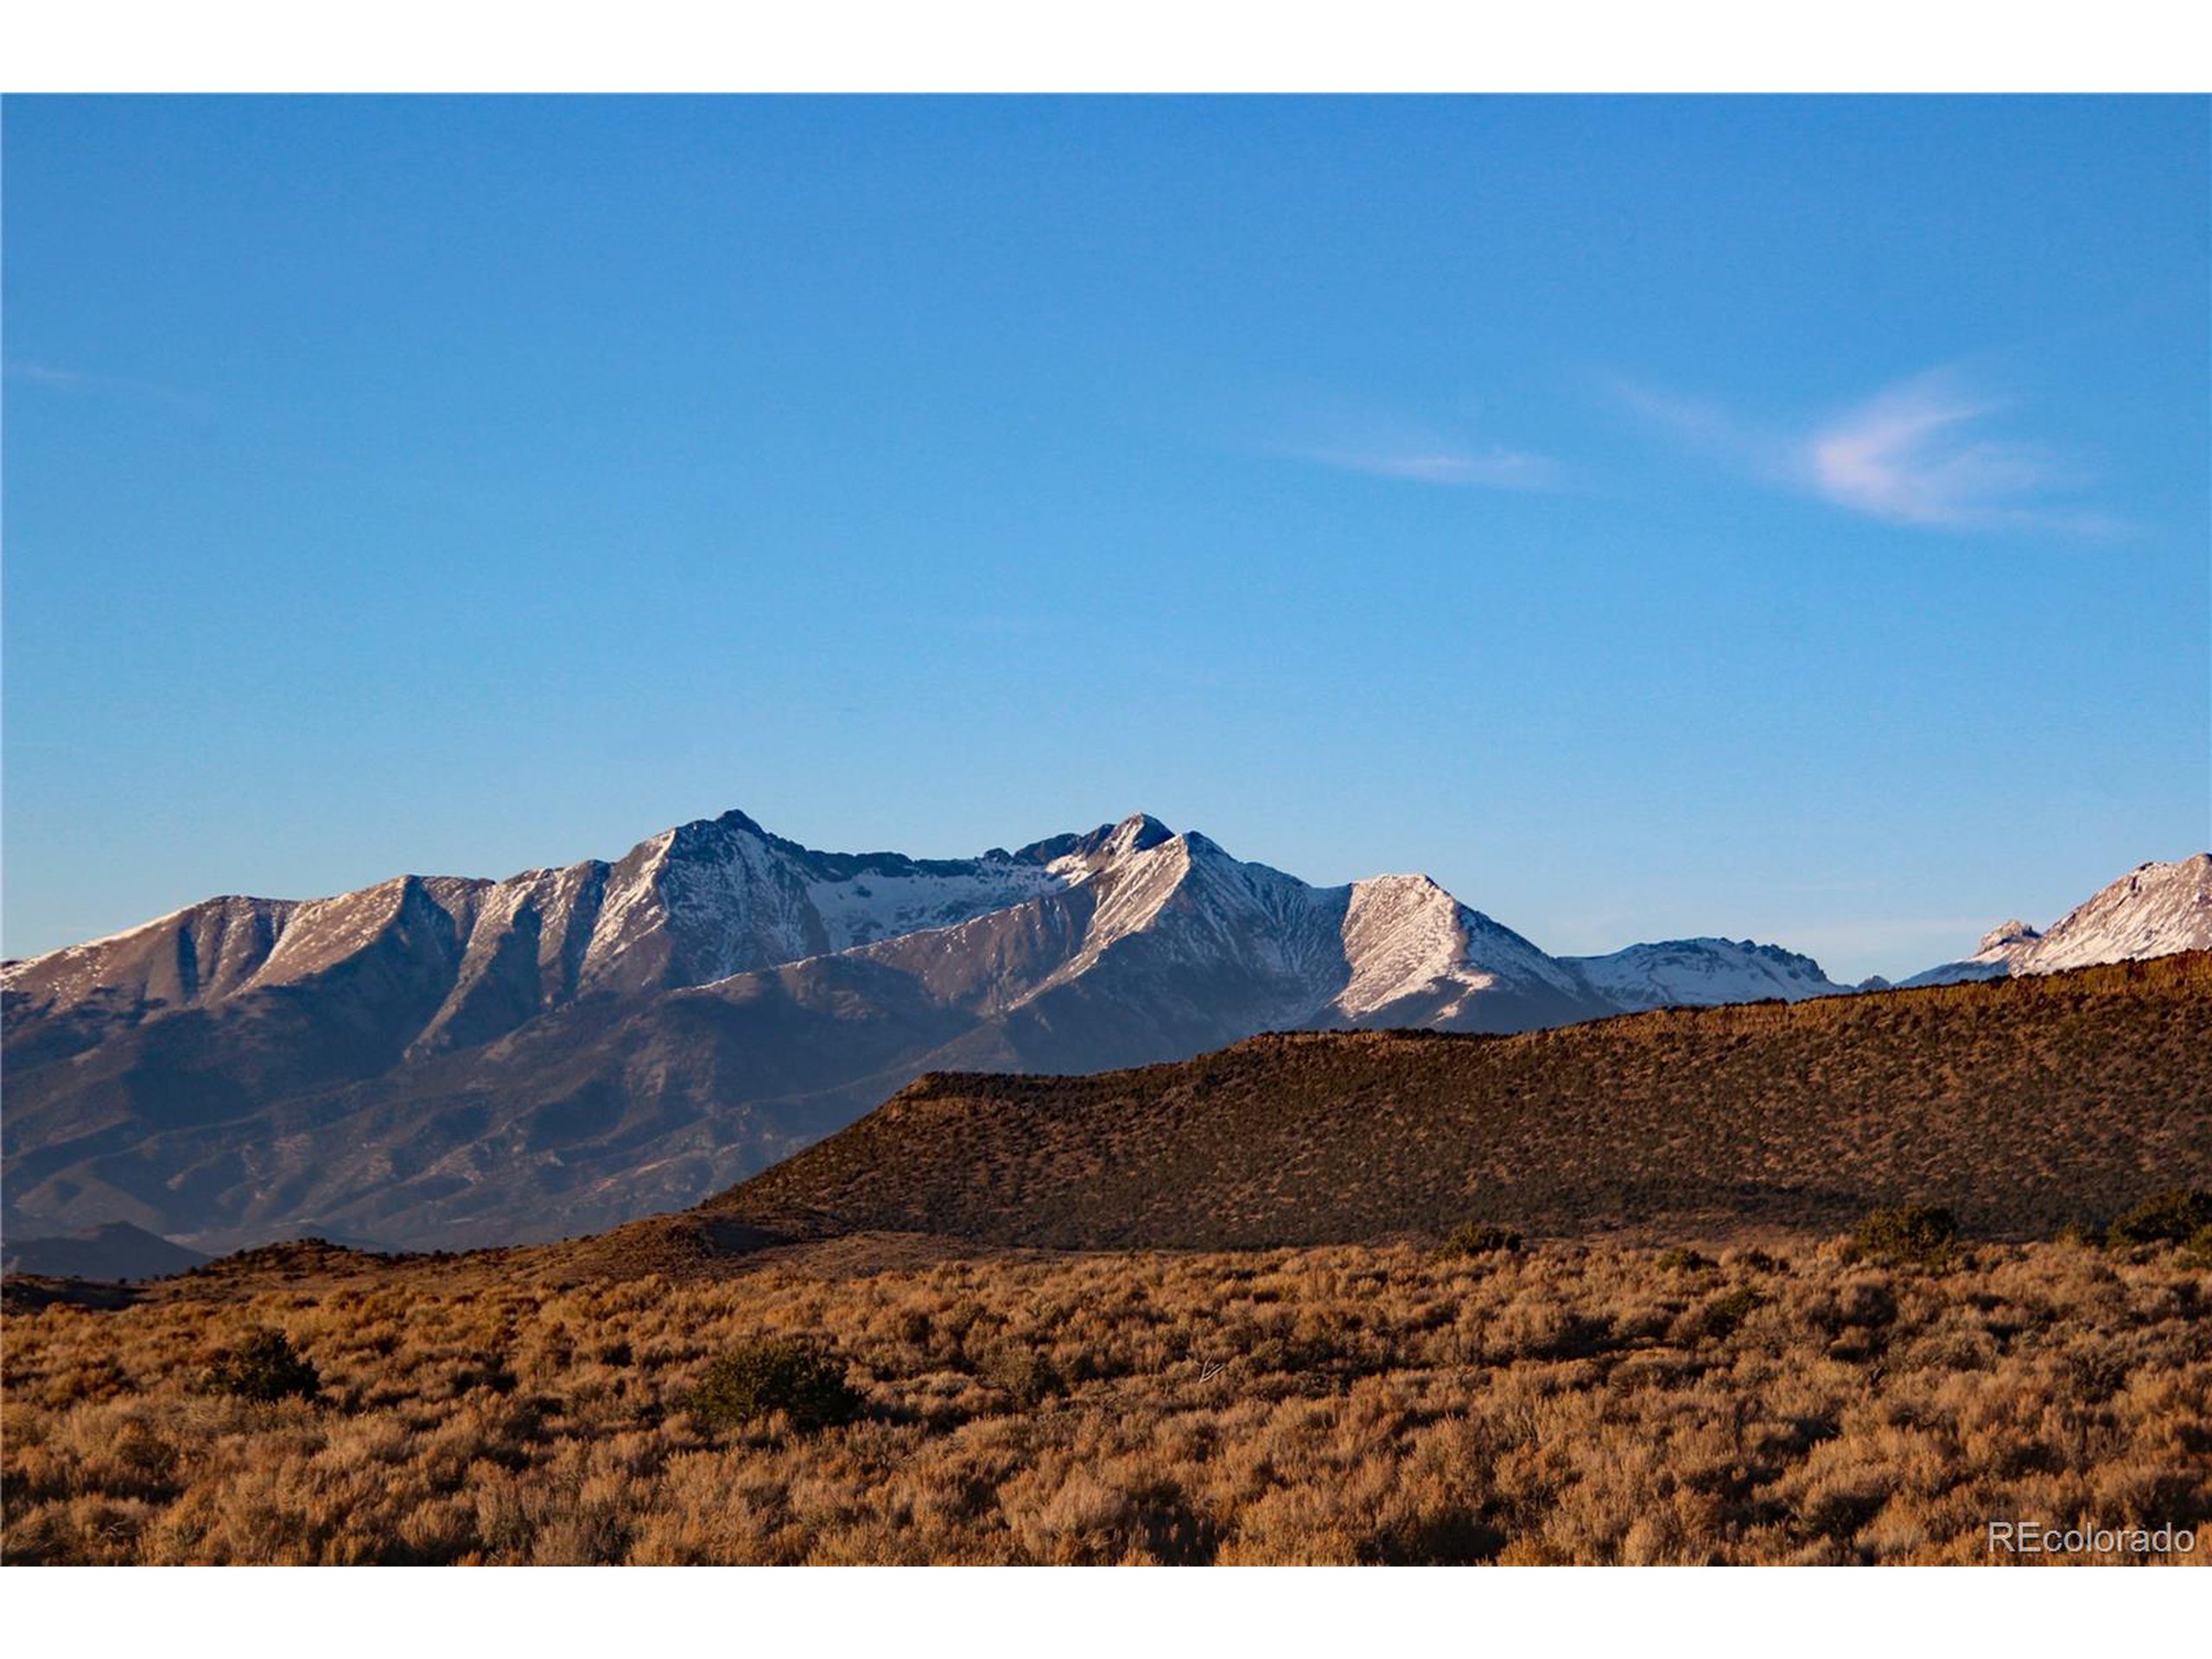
1573 1402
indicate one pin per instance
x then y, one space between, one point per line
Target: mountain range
452 1061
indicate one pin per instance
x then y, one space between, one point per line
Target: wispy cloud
78 380
1921 452
1453 443
1493 468
1701 425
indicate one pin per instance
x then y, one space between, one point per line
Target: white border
1002 46
963 1613
1135 45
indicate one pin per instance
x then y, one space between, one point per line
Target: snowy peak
203 951
1174 921
1139 833
1185 902
2006 935
722 896
1700 973
1175 924
1109 844
1401 935
2154 909
1417 956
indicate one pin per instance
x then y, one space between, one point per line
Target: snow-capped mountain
1703 972
2154 909
700 902
1170 945
445 1058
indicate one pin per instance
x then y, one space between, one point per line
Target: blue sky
1779 518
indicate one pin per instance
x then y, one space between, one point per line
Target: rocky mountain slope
2023 1104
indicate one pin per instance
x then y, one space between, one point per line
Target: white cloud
1917 454
1921 451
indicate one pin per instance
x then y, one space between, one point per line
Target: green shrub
1481 1238
773 1374
2169 1217
266 1366
1682 1259
1925 1235
2085 1235
2197 1253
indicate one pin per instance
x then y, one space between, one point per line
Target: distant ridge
2023 1104
115 1251
1700 973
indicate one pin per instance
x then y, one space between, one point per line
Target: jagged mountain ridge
707 899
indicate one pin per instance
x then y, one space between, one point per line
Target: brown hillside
2023 1103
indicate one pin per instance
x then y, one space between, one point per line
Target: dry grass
1572 1402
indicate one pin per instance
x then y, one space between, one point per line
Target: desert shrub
1480 1238
2197 1253
1723 1315
266 1367
1682 1259
2167 1218
756 1378
1865 1305
1924 1235
1572 1335
1026 1375
2084 1235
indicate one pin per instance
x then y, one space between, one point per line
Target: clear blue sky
1774 518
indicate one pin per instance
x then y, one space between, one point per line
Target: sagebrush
1566 1402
